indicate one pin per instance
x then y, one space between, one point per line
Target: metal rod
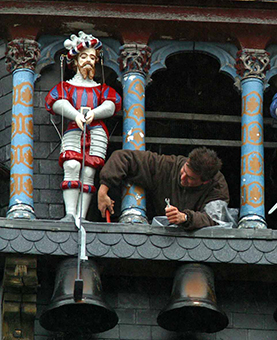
102 66
81 204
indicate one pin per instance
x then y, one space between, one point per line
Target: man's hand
174 216
104 201
89 116
80 120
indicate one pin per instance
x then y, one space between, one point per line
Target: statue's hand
89 116
80 120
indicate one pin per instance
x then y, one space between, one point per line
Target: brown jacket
160 176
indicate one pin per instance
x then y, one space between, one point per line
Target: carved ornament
135 57
22 54
252 63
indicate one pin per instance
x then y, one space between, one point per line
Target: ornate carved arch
224 53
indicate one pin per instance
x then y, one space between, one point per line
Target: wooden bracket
19 305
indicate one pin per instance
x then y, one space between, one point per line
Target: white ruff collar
78 80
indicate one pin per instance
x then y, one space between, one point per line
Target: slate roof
127 241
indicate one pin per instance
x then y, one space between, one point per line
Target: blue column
21 182
253 65
25 53
133 197
252 154
135 62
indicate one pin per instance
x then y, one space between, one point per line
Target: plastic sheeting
221 214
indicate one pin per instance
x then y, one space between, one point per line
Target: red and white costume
82 96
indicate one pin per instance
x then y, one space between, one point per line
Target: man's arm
197 220
135 166
190 219
104 201
131 165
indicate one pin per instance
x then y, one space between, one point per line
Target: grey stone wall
5 126
48 202
4 191
138 300
5 107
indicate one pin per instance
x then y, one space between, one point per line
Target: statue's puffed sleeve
108 93
56 93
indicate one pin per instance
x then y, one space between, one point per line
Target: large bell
192 305
91 314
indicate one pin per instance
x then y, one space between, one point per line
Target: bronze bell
192 305
91 314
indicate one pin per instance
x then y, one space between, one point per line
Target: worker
197 190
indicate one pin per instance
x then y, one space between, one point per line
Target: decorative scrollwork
252 63
22 53
135 57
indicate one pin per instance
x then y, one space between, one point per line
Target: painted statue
85 103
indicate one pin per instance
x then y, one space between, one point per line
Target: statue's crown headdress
75 44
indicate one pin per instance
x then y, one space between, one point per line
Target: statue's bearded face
86 63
